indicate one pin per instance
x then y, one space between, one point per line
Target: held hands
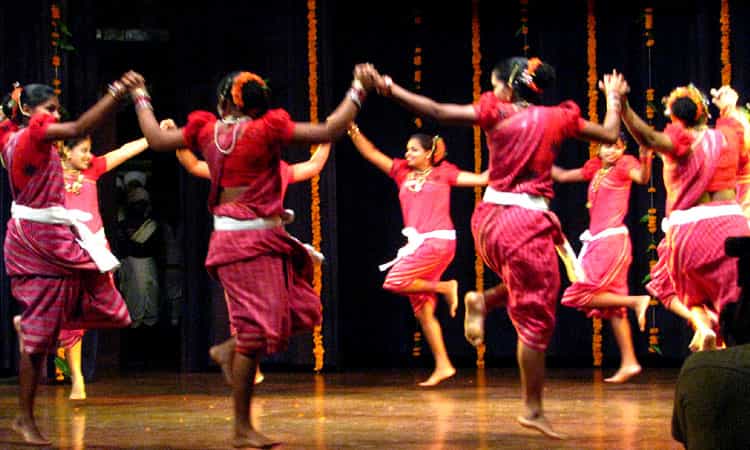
167 124
132 80
366 75
725 98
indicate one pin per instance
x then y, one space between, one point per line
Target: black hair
511 72
429 144
686 110
32 95
256 98
72 142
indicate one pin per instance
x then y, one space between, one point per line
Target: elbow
157 144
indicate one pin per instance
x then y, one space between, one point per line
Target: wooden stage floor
359 410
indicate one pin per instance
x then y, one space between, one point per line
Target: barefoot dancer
81 171
290 174
265 273
700 169
607 252
424 180
513 229
49 263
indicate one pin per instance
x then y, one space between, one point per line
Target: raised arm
305 170
561 175
90 119
643 133
124 153
368 150
615 88
193 165
160 140
642 174
468 179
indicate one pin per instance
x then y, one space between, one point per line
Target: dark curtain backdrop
364 326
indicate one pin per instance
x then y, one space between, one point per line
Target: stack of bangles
357 93
116 89
352 130
613 101
141 99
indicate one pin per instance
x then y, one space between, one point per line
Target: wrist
357 94
387 89
116 89
352 130
141 99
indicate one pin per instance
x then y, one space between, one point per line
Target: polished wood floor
362 410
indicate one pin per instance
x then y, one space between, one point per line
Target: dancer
607 252
290 173
513 229
265 273
424 180
700 171
53 270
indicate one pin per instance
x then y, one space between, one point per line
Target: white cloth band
698 213
587 237
223 223
414 241
94 244
515 199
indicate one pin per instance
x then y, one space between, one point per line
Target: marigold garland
312 57
416 349
55 15
476 61
726 65
592 78
525 25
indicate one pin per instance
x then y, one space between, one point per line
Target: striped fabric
661 285
428 263
518 244
605 264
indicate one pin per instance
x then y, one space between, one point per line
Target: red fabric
605 264
287 177
87 198
702 272
69 338
661 285
524 143
428 263
267 303
688 176
518 244
609 198
33 150
427 209
725 176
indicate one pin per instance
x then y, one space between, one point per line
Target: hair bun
544 76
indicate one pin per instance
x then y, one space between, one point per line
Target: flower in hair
695 95
527 76
239 81
438 149
15 95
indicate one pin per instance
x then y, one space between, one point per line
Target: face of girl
417 157
610 153
49 107
501 89
80 155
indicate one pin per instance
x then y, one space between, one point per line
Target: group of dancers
60 266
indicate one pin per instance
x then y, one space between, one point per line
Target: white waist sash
515 199
414 241
223 223
698 213
94 244
587 237
538 203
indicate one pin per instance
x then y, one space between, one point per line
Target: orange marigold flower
55 11
56 61
239 81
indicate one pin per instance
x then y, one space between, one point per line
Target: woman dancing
513 229
424 180
265 273
607 252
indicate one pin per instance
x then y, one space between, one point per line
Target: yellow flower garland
476 60
592 78
312 57
726 65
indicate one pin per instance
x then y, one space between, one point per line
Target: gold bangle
352 130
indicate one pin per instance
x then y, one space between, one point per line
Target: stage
356 410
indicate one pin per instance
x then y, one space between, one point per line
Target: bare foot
253 439
31 435
223 354
694 344
438 376
623 374
452 297
709 341
17 326
78 390
474 317
640 310
259 377
540 423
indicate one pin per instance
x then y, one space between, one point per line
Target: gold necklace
74 186
598 178
417 178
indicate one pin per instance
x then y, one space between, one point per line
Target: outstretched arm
124 153
305 170
642 175
561 175
466 178
614 87
159 139
192 164
368 150
90 119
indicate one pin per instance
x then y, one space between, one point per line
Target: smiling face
79 157
50 107
609 154
417 157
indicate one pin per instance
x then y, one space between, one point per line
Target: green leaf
646 279
64 29
656 349
62 365
644 219
66 46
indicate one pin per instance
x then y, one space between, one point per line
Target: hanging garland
650 219
592 78
476 91
726 65
524 30
416 349
312 57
